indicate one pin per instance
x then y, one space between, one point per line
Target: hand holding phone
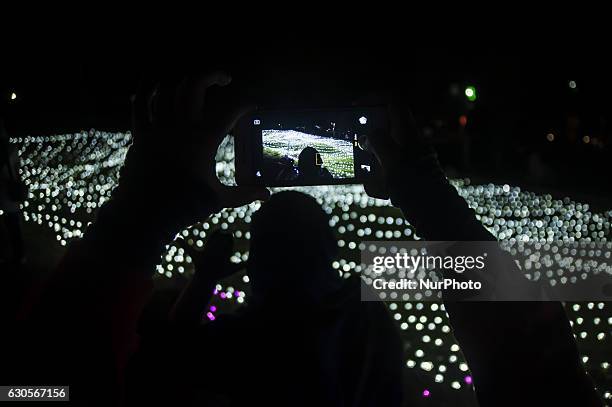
307 147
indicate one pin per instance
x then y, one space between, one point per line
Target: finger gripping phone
279 148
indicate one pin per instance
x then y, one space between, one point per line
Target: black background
522 90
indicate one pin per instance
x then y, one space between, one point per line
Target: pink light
468 379
213 308
222 295
210 316
426 393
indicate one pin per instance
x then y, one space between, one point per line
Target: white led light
70 176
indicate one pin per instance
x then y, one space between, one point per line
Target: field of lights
71 175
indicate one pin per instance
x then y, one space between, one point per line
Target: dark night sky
69 89
523 91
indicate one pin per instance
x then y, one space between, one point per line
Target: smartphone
279 148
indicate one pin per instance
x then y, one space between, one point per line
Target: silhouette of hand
211 265
170 168
400 151
403 145
214 259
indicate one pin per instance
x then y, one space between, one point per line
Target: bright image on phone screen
312 148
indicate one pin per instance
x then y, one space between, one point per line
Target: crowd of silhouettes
322 347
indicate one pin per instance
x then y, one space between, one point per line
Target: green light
470 93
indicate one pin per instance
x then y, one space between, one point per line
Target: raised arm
89 310
520 353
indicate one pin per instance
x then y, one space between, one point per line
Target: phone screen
313 147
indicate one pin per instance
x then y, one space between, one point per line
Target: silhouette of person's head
292 248
307 162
